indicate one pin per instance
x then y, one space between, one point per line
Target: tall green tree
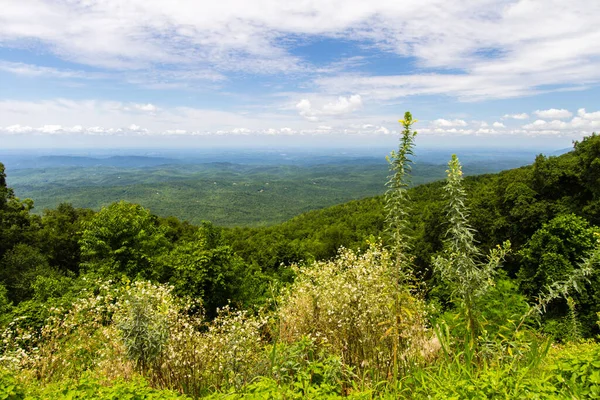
20 267
205 268
588 155
6 193
123 238
17 225
60 234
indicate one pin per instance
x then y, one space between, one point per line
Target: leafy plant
142 317
459 266
10 388
397 201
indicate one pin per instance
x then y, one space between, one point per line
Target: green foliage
87 387
555 254
17 226
123 238
60 234
5 305
21 266
458 267
142 319
500 309
576 370
588 169
10 388
301 365
93 388
354 307
397 202
453 381
204 268
553 251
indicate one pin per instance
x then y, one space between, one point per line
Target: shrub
576 370
142 317
10 388
226 353
89 387
353 307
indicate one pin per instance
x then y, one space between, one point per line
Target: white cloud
305 109
51 129
516 116
593 116
447 123
30 70
553 113
18 129
241 131
145 107
536 123
584 123
502 49
341 106
71 118
545 125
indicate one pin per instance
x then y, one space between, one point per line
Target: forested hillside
463 297
250 190
511 205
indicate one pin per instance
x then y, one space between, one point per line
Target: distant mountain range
500 159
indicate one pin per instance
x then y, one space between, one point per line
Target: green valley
225 193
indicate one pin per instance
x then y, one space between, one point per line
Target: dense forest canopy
253 189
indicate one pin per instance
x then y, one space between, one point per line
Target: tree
123 238
553 251
588 154
60 234
19 268
553 254
6 193
17 225
205 268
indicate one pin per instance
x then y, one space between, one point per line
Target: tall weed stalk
459 266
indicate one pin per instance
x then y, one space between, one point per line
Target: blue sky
157 73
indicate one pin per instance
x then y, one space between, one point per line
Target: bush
576 370
10 388
142 317
355 308
227 352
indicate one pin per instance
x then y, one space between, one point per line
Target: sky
198 73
